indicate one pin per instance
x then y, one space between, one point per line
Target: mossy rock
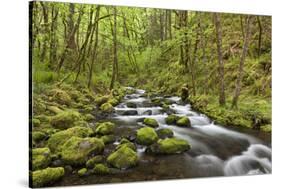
266 128
169 146
105 128
82 172
76 150
60 96
41 158
101 100
127 144
89 117
46 176
108 139
81 123
38 136
35 122
165 133
123 158
183 122
101 169
124 140
146 136
131 105
57 140
65 119
94 160
113 101
106 107
41 118
172 119
150 122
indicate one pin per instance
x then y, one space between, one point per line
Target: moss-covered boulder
81 123
123 158
76 150
183 122
60 96
94 160
106 107
113 101
108 139
127 144
150 122
169 146
165 133
105 128
82 172
65 119
88 117
38 136
172 119
146 136
101 99
101 169
46 176
41 158
131 105
57 140
35 122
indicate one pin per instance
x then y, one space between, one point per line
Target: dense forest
84 55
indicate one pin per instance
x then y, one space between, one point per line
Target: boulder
94 160
60 96
123 158
57 140
101 169
46 176
65 119
107 139
82 172
172 119
131 105
105 128
146 136
169 146
150 122
147 112
38 136
88 117
183 122
106 108
130 112
165 133
35 122
41 158
76 150
101 100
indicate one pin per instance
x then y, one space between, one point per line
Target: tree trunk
242 60
115 67
46 31
220 61
260 35
53 37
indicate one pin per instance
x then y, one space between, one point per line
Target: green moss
146 136
107 139
172 119
37 136
82 172
41 158
65 119
183 122
101 169
88 117
150 122
266 128
75 151
101 100
35 122
123 158
94 160
165 133
106 107
169 146
60 96
81 123
113 101
127 144
57 140
124 140
105 128
46 176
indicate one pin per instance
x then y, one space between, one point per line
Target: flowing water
216 150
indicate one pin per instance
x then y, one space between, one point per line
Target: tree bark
260 35
220 61
115 61
242 60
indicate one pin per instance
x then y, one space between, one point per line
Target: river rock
146 136
147 112
65 119
46 176
41 158
165 133
101 169
105 128
130 112
94 160
169 146
183 122
172 119
123 158
106 107
131 105
76 150
150 122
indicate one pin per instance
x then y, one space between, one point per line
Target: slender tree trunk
260 35
242 61
46 31
115 67
220 61
53 37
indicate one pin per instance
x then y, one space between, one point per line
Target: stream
215 150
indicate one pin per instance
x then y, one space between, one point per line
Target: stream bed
215 150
